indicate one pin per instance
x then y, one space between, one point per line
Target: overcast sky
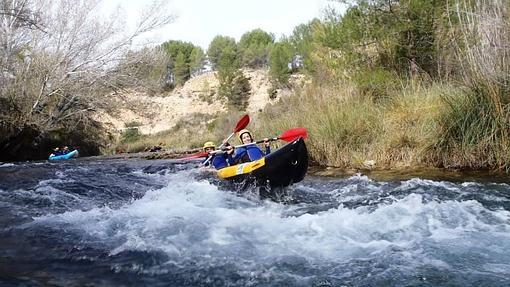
199 21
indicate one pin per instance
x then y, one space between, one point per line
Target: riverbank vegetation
405 83
393 84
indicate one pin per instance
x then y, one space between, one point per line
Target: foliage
173 48
378 83
302 40
197 59
189 133
346 128
130 135
474 130
399 36
240 92
143 69
185 59
233 85
218 46
254 48
280 57
206 94
181 69
471 134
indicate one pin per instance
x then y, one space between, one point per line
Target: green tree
217 46
281 55
181 55
173 48
302 39
395 35
180 69
197 59
240 92
254 48
232 83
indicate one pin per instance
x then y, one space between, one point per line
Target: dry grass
349 130
474 131
188 134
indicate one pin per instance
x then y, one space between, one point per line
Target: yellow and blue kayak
280 168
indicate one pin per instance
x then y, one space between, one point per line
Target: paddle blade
197 155
242 123
293 134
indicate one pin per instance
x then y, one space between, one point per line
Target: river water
160 223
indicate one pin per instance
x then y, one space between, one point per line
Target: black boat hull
280 168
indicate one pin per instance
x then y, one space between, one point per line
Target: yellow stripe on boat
242 168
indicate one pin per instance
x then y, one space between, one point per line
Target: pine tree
181 69
254 48
280 57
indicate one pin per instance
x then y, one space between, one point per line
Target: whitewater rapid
163 221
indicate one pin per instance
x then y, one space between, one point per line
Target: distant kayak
72 154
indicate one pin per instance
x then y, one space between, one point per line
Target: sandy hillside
198 95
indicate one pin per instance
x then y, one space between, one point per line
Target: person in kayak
65 150
56 152
218 160
246 153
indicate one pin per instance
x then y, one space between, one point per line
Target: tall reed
474 131
348 129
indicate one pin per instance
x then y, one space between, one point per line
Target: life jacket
247 154
219 161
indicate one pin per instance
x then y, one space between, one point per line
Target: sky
199 21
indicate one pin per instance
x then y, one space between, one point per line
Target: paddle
197 155
241 124
287 136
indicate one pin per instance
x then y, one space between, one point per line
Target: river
113 222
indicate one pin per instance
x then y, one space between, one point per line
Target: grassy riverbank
422 124
351 130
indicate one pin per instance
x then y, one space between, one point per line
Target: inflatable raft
69 155
280 168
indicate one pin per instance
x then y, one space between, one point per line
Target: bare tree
55 56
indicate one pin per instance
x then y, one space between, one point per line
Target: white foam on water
54 181
194 218
418 182
6 164
360 177
471 184
46 191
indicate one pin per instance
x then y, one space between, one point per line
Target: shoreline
384 174
379 174
397 173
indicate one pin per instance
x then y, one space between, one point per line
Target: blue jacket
247 154
218 161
